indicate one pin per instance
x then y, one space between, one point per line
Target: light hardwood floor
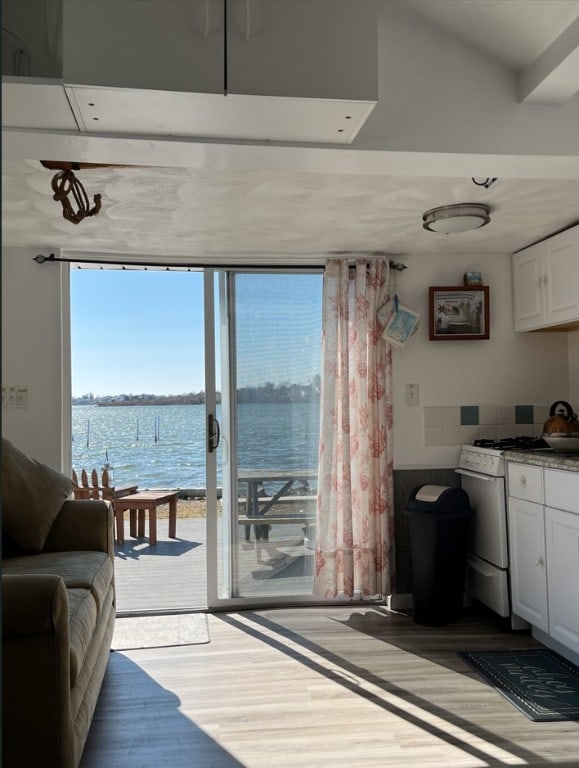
317 687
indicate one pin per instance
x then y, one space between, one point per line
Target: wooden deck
171 575
347 687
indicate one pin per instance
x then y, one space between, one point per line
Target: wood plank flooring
316 687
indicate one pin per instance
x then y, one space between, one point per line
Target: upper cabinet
289 70
546 284
166 45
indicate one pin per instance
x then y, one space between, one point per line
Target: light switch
411 394
14 398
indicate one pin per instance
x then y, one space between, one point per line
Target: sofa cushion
32 495
82 621
85 570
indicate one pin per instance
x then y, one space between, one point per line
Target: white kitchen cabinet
546 283
527 562
543 521
562 543
167 45
289 70
525 482
327 49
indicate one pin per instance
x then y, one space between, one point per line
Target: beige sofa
58 612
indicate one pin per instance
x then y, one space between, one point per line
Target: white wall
510 368
33 354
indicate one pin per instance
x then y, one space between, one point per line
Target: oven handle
488 478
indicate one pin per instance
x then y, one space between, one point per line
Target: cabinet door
325 49
562 539
561 277
528 299
164 45
527 555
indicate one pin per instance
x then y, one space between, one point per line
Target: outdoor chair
105 492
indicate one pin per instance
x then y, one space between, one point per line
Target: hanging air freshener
401 326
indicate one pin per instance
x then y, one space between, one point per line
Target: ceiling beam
554 76
178 153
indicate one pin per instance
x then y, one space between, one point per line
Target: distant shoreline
261 394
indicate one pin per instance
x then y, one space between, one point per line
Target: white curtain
355 513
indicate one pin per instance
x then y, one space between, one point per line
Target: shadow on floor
159 733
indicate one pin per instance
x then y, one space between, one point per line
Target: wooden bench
261 537
262 523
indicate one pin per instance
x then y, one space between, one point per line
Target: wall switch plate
14 398
411 394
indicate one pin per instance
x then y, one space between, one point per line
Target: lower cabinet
528 568
562 540
544 552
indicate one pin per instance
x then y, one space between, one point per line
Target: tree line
264 393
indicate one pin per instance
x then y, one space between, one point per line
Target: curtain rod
41 259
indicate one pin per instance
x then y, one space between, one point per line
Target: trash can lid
430 493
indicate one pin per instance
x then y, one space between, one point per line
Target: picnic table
259 508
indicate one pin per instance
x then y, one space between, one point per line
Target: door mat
539 683
136 632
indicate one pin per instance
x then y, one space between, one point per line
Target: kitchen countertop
544 458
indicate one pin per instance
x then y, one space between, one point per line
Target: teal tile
468 415
524 414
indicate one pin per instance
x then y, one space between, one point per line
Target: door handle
213 433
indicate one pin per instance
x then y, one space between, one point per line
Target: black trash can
439 519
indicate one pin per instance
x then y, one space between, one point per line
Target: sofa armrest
82 525
33 604
36 708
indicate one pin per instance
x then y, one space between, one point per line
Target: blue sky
139 332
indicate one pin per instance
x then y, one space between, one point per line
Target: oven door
487 498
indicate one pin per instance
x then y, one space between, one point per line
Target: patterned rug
541 684
135 632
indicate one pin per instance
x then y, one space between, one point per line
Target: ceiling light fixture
452 219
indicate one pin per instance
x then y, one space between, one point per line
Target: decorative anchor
65 185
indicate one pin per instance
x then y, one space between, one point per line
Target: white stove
482 475
488 461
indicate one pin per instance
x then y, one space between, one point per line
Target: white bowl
565 443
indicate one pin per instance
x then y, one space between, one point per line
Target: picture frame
472 278
458 313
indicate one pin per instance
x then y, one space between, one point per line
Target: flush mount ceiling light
451 219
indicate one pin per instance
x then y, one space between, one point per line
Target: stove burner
522 442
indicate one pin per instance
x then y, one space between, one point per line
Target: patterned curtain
355 512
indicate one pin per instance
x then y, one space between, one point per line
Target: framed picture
473 278
458 314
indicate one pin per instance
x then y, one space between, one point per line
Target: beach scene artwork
458 313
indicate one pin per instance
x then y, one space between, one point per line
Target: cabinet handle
521 481
206 19
545 279
247 20
540 561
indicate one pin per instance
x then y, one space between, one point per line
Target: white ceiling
514 32
199 213
191 213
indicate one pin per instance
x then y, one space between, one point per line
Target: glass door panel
268 332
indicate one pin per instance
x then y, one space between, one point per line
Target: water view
164 447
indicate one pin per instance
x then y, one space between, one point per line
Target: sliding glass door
263 357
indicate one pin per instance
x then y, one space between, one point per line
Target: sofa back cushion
32 495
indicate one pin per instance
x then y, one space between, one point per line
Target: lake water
269 436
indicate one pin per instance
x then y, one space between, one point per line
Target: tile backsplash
462 424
